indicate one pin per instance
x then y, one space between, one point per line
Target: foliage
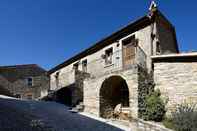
167 122
150 104
144 90
155 107
185 118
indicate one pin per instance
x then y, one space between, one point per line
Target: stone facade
92 88
14 79
99 76
177 82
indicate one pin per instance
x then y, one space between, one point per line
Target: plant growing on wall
152 106
155 107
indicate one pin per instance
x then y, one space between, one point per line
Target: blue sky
47 32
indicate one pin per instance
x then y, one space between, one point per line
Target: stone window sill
109 65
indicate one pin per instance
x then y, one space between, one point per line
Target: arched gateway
114 91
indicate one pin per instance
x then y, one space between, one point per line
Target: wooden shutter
128 53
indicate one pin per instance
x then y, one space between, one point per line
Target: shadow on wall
19 115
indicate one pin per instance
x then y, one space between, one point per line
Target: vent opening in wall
158 48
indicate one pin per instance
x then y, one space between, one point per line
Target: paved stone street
17 115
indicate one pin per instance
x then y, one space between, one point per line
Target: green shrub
185 118
167 122
155 107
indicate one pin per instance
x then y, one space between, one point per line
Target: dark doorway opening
114 91
64 96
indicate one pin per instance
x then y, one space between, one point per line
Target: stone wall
92 88
140 125
5 87
96 64
20 87
177 82
166 36
78 89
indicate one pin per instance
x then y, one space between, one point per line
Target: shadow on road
17 115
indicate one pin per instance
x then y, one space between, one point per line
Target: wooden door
128 53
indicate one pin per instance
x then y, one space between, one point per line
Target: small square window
30 81
108 56
76 66
129 41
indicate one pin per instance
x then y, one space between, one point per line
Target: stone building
24 81
111 72
115 67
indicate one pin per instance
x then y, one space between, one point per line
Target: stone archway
114 91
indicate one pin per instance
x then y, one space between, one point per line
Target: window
76 66
30 81
130 40
57 79
84 65
158 48
108 56
57 75
128 51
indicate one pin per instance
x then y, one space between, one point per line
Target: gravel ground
17 115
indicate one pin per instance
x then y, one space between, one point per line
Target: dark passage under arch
114 91
64 96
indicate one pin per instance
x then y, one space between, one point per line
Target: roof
15 72
181 57
128 29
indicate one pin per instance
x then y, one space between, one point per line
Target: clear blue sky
47 32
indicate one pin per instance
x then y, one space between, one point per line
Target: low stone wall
177 82
140 125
